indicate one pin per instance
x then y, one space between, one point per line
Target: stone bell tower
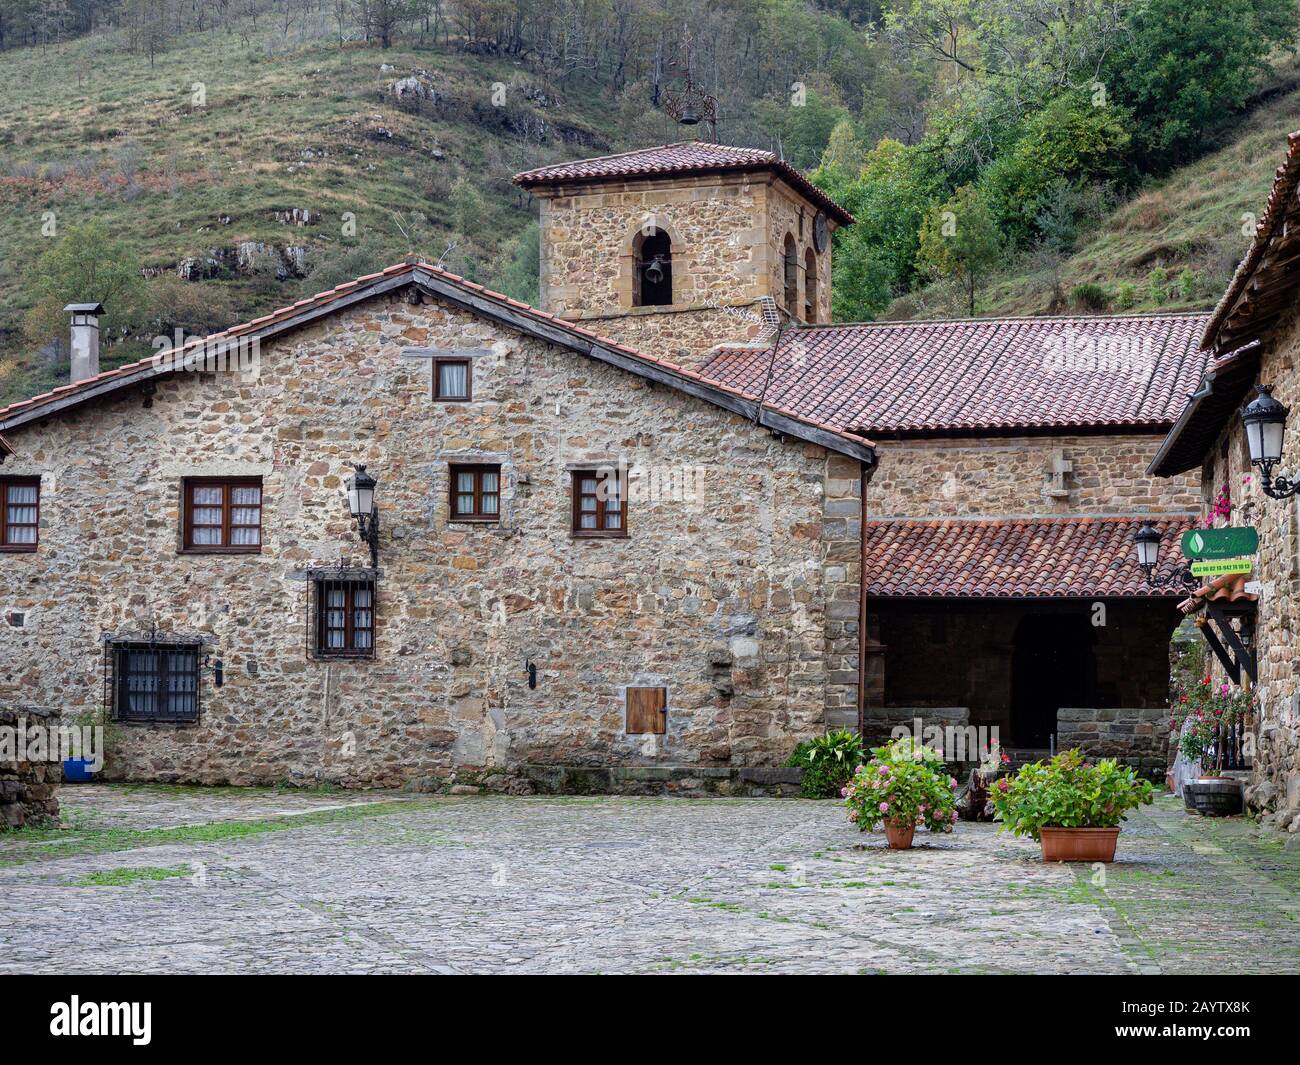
676 249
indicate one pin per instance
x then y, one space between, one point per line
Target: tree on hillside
1187 63
85 266
959 241
382 18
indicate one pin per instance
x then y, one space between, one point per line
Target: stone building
1252 339
670 521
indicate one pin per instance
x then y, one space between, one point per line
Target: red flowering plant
1221 508
1208 710
905 782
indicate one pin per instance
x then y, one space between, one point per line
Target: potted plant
827 763
903 786
1071 806
1207 717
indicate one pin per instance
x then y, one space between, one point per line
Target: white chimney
85 339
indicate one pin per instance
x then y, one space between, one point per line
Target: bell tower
677 249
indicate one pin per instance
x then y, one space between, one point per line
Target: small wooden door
647 710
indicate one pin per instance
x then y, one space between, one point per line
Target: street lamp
361 501
1146 543
1265 421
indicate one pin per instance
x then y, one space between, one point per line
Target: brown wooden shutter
647 710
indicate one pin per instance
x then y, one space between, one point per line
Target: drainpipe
865 472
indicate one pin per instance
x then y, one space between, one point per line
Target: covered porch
1043 629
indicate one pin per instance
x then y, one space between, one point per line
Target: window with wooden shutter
20 506
647 710
223 515
475 493
599 503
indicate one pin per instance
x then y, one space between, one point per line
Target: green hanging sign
1232 542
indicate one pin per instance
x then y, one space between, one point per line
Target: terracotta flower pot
1079 844
899 832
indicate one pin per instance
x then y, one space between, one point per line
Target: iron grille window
156 681
223 515
345 617
599 503
20 507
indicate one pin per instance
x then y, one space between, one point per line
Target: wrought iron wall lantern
361 501
1146 542
1265 422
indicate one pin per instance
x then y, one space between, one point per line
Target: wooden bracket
1236 657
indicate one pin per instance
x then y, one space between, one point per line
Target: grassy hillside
264 168
1173 245
212 145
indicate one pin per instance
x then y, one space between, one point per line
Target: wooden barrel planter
1214 796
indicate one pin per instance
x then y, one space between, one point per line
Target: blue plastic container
77 770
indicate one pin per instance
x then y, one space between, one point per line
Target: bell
654 273
690 115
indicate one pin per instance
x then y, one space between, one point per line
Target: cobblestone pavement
160 879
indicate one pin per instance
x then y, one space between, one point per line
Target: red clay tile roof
1230 588
684 157
16 414
1263 287
1063 558
979 374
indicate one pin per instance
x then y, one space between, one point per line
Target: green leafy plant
1068 792
904 781
1125 295
827 762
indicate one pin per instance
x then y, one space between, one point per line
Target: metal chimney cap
84 308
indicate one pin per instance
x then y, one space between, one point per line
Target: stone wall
1275 789
1136 736
1001 477
737 589
29 790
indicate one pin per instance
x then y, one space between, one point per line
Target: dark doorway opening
1054 664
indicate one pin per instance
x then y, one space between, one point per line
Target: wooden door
647 710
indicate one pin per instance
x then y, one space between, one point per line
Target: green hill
1171 246
199 160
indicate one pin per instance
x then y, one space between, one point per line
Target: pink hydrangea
845 793
884 770
884 807
952 782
